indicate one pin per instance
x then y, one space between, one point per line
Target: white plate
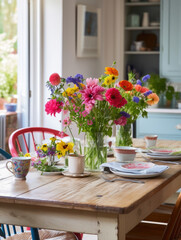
138 175
163 157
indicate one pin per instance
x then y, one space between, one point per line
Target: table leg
111 228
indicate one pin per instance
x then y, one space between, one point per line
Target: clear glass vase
124 135
95 150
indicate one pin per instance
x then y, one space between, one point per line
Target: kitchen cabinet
170 64
160 123
146 60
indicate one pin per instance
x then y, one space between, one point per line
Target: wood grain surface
91 193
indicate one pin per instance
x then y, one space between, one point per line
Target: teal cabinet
162 124
170 40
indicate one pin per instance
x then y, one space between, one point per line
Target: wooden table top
90 193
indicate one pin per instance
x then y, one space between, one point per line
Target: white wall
58 46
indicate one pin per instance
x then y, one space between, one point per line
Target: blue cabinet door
161 124
170 40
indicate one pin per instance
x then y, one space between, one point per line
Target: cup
19 166
138 45
76 164
151 140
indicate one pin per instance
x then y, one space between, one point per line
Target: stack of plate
164 154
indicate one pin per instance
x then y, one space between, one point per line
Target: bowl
10 107
125 154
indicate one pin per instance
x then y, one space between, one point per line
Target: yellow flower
53 139
44 147
70 147
110 79
59 155
64 147
27 155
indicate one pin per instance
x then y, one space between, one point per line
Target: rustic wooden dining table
89 205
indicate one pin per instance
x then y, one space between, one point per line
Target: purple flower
79 76
125 114
76 80
139 82
146 77
136 99
147 93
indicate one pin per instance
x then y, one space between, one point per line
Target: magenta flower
121 121
53 106
114 98
66 122
89 122
91 94
88 108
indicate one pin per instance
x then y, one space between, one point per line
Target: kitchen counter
163 110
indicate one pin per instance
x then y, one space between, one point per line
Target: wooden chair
6 230
18 141
19 138
159 231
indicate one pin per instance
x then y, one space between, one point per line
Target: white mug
151 140
76 164
138 45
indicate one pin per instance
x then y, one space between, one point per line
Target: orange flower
138 88
127 86
152 99
111 71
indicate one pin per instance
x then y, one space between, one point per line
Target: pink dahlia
55 79
53 106
114 97
92 82
91 94
121 121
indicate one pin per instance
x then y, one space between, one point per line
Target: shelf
141 28
142 52
134 4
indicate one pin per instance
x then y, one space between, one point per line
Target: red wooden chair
155 231
19 138
18 142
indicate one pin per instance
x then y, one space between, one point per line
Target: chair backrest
4 154
15 143
173 229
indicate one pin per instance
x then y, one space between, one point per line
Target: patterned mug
19 166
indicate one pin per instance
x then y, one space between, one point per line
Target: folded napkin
118 167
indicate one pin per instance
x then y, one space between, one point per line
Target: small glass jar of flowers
44 157
138 98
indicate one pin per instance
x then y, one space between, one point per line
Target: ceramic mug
76 164
19 166
151 140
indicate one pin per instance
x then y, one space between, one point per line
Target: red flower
53 106
141 89
127 86
55 79
114 97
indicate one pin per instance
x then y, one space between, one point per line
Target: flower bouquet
93 104
44 158
138 98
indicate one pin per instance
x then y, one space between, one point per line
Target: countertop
163 110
